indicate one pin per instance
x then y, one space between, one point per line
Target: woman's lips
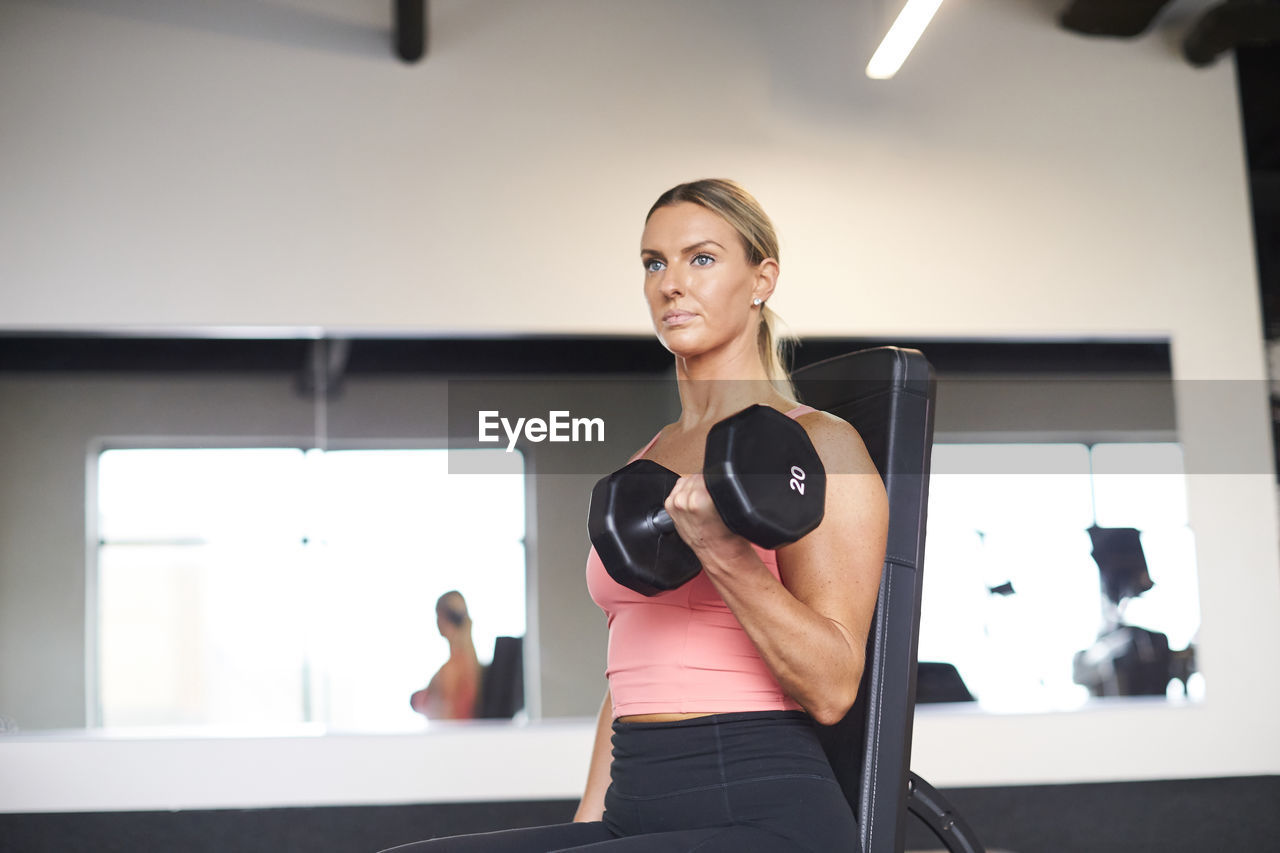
677 318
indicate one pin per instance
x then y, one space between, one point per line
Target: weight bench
888 394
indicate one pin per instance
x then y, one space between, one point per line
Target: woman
706 739
452 692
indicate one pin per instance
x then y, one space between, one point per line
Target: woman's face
698 281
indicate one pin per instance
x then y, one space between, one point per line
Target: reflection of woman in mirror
451 693
706 739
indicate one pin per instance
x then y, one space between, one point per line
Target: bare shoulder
839 444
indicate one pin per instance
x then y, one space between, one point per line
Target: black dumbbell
763 474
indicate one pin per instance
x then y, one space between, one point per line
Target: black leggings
755 782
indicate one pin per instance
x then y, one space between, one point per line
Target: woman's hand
699 524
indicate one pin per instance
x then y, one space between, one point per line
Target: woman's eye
703 260
652 265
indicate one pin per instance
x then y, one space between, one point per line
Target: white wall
180 164
184 164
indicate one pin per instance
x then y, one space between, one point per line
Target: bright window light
273 588
901 38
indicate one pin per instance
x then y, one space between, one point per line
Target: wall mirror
230 535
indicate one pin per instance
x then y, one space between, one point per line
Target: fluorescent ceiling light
901 38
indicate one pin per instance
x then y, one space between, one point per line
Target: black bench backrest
888 394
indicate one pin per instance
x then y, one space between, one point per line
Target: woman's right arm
599 775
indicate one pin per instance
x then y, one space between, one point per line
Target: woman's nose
671 283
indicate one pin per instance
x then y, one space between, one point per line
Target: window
1011 591
276 587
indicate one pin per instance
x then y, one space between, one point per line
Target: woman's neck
461 647
714 386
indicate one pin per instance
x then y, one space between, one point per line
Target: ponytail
776 348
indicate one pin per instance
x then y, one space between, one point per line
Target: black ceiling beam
1123 18
410 29
1229 25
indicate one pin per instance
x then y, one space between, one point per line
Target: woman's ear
766 279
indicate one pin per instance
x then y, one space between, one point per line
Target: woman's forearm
816 660
591 807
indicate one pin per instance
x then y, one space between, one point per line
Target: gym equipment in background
1126 660
502 681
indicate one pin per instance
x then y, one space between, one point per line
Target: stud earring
757 302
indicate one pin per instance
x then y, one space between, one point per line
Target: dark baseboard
1165 816
328 829
1168 816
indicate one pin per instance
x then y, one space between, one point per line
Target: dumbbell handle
660 520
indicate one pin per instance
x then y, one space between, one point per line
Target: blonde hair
740 209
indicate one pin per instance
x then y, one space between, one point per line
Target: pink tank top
683 650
